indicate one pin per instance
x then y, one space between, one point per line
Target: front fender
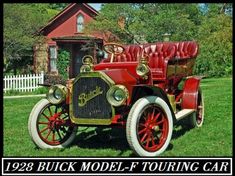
140 91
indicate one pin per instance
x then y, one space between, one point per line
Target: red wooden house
66 30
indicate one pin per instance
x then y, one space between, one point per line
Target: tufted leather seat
186 49
158 55
131 54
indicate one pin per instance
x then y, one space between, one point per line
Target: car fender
190 93
140 91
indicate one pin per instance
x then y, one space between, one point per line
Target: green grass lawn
213 139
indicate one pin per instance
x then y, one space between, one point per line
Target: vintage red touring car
136 87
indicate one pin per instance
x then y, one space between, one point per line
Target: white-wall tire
161 122
34 129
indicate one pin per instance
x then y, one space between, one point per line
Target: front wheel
49 125
149 126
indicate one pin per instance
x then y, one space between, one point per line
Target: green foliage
214 138
21 23
209 24
11 92
150 21
58 6
54 79
108 18
63 63
215 39
40 90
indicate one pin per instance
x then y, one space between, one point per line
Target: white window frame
80 23
53 58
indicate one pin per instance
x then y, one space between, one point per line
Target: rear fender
190 93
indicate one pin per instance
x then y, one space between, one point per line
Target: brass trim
179 68
89 121
111 99
172 101
50 95
87 60
87 66
142 68
84 98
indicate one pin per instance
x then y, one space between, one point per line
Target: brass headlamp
87 64
57 94
117 95
142 68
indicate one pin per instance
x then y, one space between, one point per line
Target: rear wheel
50 126
149 126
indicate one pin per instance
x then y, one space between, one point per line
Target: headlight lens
117 95
57 94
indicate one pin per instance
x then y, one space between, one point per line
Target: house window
53 58
80 23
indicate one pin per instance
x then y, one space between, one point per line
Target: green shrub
63 63
54 79
12 92
40 90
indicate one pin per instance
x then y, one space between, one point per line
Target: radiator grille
97 106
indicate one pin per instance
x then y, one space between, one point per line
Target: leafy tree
57 6
209 24
215 39
20 25
150 21
108 18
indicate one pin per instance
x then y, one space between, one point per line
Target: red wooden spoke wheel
50 126
149 126
152 128
54 126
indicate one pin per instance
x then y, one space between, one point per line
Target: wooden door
77 55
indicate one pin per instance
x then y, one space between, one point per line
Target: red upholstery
131 54
159 54
186 49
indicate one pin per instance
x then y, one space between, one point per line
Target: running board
184 113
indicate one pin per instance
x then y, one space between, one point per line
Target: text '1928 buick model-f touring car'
136 87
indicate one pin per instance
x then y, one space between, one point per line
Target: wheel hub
55 122
155 128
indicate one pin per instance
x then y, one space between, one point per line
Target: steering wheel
113 49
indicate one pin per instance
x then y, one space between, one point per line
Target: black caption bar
116 166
